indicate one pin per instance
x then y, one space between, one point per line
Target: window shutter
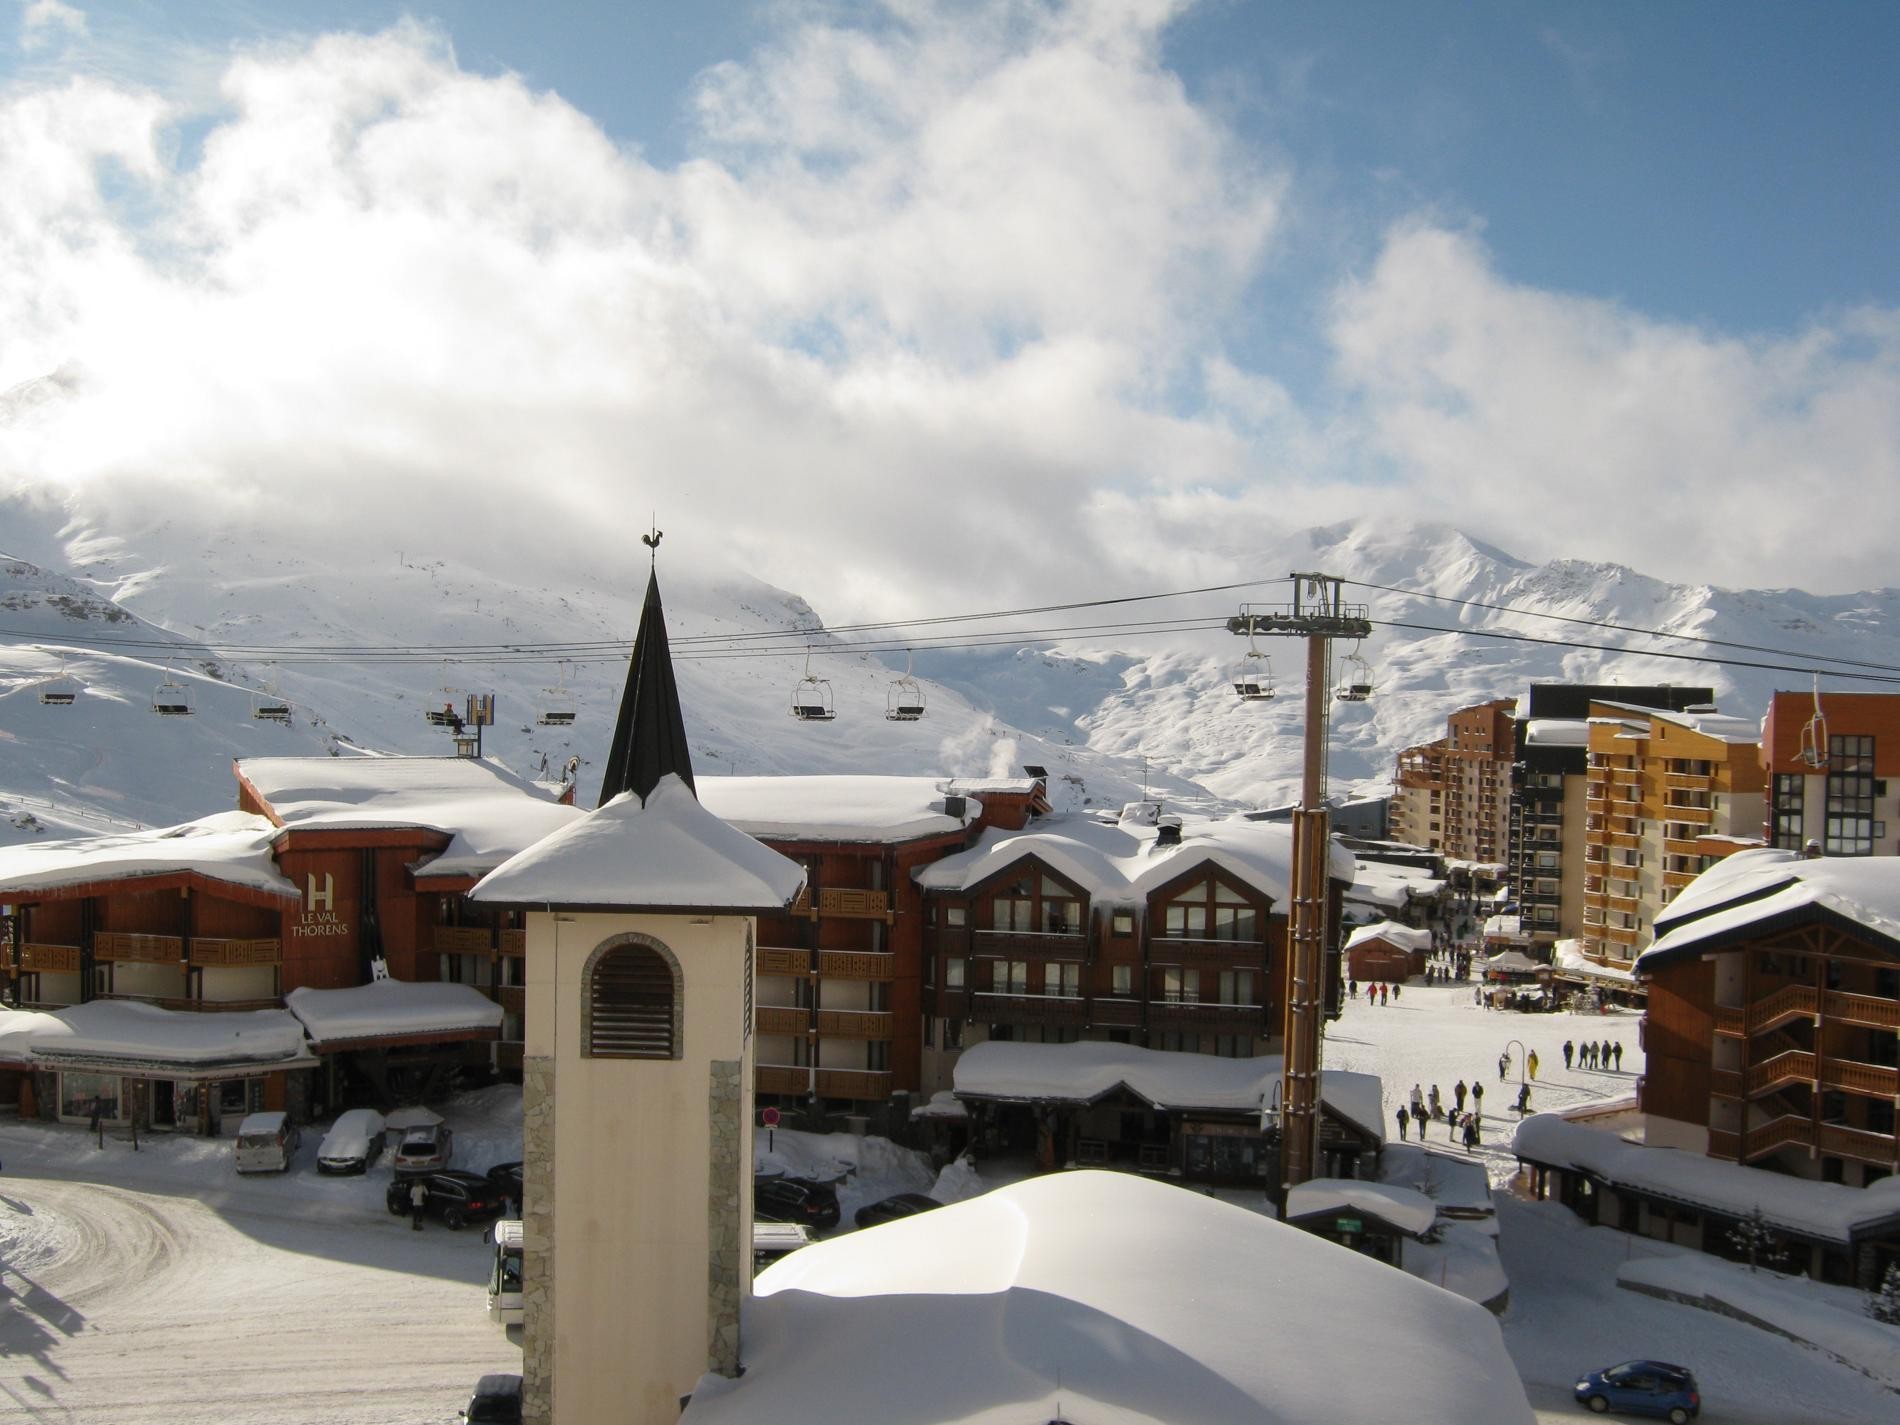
630 1002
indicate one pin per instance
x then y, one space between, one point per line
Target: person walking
1616 1050
1418 1102
1372 993
1395 989
1458 1092
1504 1065
1438 1104
418 1199
1352 987
1569 1048
1382 994
1477 1098
1405 1117
1530 1062
1523 1098
1471 1132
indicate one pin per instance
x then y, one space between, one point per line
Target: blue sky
1248 259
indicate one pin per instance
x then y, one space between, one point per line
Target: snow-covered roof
1006 1308
1390 886
668 853
839 808
1567 955
1718 727
1826 1211
232 847
384 1009
1405 1208
1123 862
1085 1070
133 1032
487 812
1764 883
1503 925
1557 732
1511 962
1405 937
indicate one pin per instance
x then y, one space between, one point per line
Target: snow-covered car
423 1148
456 1198
354 1141
266 1143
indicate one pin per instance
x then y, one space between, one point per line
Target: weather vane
652 541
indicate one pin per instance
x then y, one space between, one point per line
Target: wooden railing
514 942
49 959
1199 948
1211 1016
831 1083
1723 1144
1790 1128
1049 944
1786 1003
775 960
781 1078
1731 1019
512 998
1860 1078
856 965
1843 1142
845 903
856 1023
237 952
463 940
127 947
1116 1013
781 1019
1794 1066
1004 1008
1863 1009
1725 1083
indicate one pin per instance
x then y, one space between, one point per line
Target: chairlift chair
555 707
59 691
171 698
1253 679
905 701
1355 682
269 705
1814 748
811 696
446 717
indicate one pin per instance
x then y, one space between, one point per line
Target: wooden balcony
781 1078
1115 1013
122 947
1726 1083
781 1019
951 1004
1626 777
512 998
1868 1010
1788 1003
1187 950
1047 945
1596 805
1794 1066
775 960
236 953
856 1023
1624 841
514 942
1840 1141
856 965
863 1084
998 1008
1621 934
1678 811
37 955
1780 1133
843 904
1871 1079
1219 1018
1627 905
1723 1144
463 940
1676 846
1688 782
1676 880
1731 1019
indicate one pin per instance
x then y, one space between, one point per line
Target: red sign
769 1117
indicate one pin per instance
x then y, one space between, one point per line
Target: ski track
162 1308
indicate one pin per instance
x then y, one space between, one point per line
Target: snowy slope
1101 715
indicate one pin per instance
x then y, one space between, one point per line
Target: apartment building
1453 794
1833 767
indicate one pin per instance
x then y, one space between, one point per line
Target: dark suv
496 1401
457 1198
795 1200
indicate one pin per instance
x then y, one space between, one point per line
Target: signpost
769 1117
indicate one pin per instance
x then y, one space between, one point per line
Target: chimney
955 806
1168 831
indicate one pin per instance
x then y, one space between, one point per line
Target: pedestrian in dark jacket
1569 1048
1504 1065
1471 1131
1438 1109
1405 1117
1477 1097
1458 1092
1395 989
1617 1050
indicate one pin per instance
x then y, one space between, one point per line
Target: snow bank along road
134 1306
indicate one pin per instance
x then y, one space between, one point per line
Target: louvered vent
630 1000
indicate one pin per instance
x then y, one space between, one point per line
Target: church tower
637 1074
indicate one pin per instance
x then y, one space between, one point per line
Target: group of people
1377 991
1600 1054
1458 1122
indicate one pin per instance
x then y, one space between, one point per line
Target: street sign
769 1117
1349 1224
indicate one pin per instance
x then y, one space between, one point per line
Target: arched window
633 1001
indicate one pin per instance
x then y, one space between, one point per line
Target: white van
266 1143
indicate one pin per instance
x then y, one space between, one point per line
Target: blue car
1643 1388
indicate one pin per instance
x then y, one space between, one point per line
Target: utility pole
1318 615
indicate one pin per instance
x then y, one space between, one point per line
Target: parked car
423 1148
1643 1388
795 1200
266 1143
354 1141
903 1204
507 1177
496 1401
457 1198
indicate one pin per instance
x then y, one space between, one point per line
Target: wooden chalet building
330 868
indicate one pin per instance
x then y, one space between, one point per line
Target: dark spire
650 736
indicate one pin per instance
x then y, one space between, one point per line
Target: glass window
1122 923
1019 977
953 973
953 915
1123 978
82 1095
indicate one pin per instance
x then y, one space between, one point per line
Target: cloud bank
936 315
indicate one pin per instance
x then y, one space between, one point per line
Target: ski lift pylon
1355 681
811 696
171 698
905 701
1253 679
555 707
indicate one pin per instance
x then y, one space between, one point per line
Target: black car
507 1180
903 1204
457 1198
795 1200
496 1401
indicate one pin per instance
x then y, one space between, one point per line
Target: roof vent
955 806
1168 831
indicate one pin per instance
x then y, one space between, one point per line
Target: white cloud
43 21
1565 426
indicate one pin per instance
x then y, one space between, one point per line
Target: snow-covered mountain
122 611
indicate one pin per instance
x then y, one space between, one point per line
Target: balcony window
1181 986
953 973
953 916
1210 910
1122 923
1036 904
1122 978
1064 980
1236 987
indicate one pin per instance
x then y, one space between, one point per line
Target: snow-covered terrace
122 1035
1008 1308
231 850
1124 862
1087 1070
1827 1212
385 1011
1568 958
836 808
487 812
